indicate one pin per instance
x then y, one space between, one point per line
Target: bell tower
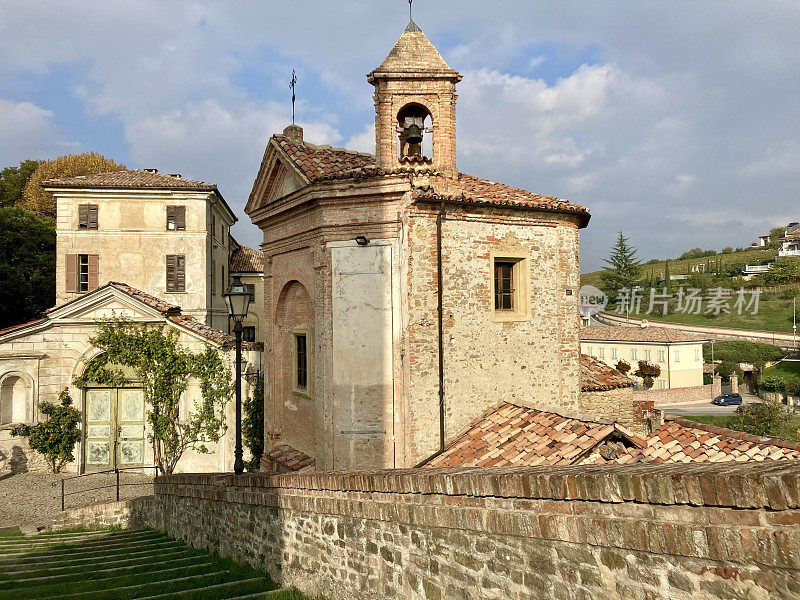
415 106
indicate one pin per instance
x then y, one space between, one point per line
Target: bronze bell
414 134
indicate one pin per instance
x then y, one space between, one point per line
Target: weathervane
409 10
292 85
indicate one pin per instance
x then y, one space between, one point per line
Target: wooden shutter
170 272
92 223
71 270
83 216
180 218
171 218
94 272
180 273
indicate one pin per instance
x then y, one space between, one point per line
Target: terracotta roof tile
247 260
132 178
318 162
598 376
289 457
637 334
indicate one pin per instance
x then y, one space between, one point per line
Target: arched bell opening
415 133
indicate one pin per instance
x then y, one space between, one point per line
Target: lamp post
238 300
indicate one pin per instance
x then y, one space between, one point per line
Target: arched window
16 400
414 128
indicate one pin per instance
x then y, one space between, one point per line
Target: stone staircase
94 565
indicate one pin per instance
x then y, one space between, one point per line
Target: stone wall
658 532
613 405
688 395
128 514
16 456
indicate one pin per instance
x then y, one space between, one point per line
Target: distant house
678 354
790 244
763 240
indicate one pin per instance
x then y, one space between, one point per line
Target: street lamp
238 300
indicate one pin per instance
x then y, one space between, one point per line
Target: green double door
114 426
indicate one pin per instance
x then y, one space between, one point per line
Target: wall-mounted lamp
362 240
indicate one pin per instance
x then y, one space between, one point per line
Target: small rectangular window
614 353
249 334
251 287
83 272
504 285
662 357
87 216
176 273
677 356
697 354
647 355
176 218
634 354
662 384
301 361
601 352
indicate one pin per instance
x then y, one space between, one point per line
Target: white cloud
364 141
27 131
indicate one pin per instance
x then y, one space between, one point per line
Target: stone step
92 541
108 591
54 578
47 556
67 565
257 595
217 586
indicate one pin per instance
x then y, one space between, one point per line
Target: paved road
706 408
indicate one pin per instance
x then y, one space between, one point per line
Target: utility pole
794 323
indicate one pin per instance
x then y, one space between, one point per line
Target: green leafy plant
767 418
739 351
253 425
55 439
164 370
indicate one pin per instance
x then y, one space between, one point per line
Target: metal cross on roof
292 85
409 10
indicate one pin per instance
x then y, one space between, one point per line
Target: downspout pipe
440 217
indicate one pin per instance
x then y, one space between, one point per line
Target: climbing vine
163 370
253 425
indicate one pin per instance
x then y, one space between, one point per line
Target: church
403 298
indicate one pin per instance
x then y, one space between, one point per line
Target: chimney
151 170
175 175
294 133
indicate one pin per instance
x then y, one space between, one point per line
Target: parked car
727 400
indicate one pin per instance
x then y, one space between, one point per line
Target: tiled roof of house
414 54
474 190
597 376
131 178
289 457
681 440
510 434
246 260
151 301
318 162
607 333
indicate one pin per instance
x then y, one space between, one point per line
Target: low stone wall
16 456
687 395
624 532
128 514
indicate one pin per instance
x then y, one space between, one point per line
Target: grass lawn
787 370
122 565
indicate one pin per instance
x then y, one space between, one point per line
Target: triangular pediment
277 177
105 303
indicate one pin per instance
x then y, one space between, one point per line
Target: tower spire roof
414 54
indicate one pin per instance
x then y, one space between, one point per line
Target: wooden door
114 425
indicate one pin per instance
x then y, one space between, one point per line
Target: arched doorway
114 426
16 400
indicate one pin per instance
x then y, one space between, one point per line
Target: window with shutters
509 287
176 218
252 289
83 272
249 334
176 273
87 216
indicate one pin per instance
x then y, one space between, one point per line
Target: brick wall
128 514
675 532
688 395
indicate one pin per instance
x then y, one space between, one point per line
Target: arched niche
16 398
414 133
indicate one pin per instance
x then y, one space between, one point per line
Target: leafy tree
623 267
784 270
697 253
27 265
623 367
775 234
727 250
648 373
739 351
57 436
767 418
164 369
13 180
253 425
37 200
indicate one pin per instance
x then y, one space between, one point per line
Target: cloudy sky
676 122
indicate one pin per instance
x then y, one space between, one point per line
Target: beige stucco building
41 358
249 265
401 297
679 355
163 234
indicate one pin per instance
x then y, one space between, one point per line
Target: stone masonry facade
653 532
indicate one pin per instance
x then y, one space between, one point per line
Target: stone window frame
662 356
614 353
522 294
634 354
662 384
601 352
295 332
